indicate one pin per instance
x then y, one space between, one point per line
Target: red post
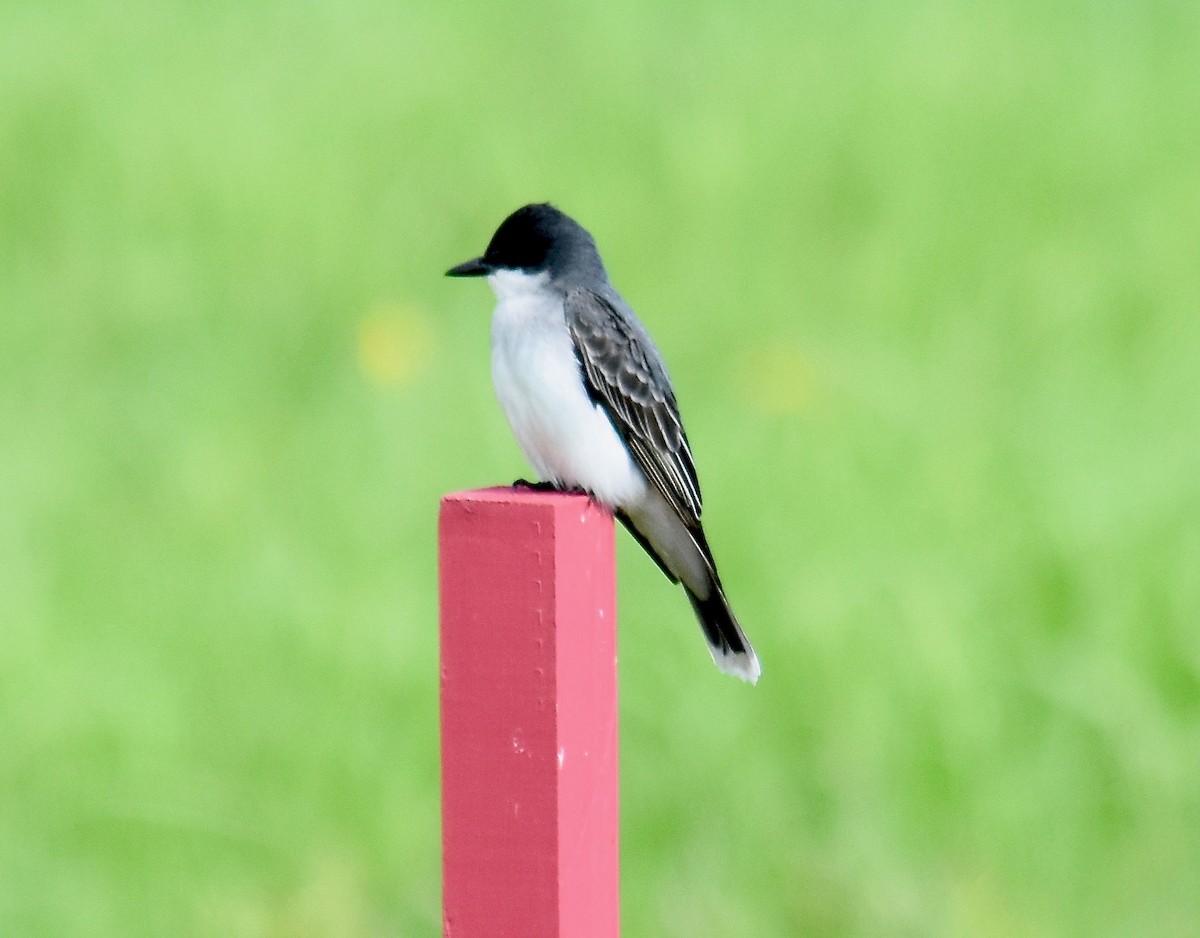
529 716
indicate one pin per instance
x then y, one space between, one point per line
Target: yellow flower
776 378
395 343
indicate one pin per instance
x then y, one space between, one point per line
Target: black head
534 239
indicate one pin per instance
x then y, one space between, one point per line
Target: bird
589 400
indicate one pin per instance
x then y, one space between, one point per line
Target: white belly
565 436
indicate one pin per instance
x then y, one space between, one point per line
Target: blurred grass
927 278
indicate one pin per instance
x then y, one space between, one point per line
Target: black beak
473 268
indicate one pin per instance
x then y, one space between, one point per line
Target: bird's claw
535 486
553 487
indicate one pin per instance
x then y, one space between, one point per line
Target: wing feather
625 375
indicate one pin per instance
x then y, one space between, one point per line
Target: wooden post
529 716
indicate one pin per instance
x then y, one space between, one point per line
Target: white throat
517 284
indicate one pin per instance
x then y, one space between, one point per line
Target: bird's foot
555 487
535 486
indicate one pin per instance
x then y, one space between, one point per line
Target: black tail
731 650
727 642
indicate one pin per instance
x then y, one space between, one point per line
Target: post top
508 495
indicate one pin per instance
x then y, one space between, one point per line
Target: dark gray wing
626 377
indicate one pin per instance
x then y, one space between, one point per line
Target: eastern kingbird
589 400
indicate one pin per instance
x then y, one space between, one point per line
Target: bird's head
537 241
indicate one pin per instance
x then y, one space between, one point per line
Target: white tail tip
743 665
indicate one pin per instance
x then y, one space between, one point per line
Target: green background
927 276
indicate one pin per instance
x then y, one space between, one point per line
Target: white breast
565 436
